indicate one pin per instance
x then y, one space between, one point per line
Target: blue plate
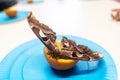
5 19
34 1
27 62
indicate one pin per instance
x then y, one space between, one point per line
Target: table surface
85 18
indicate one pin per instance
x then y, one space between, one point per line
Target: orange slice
29 1
59 64
11 13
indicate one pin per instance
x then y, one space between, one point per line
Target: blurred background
90 19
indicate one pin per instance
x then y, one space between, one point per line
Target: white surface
86 18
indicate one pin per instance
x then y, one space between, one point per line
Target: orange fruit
10 13
29 1
59 64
